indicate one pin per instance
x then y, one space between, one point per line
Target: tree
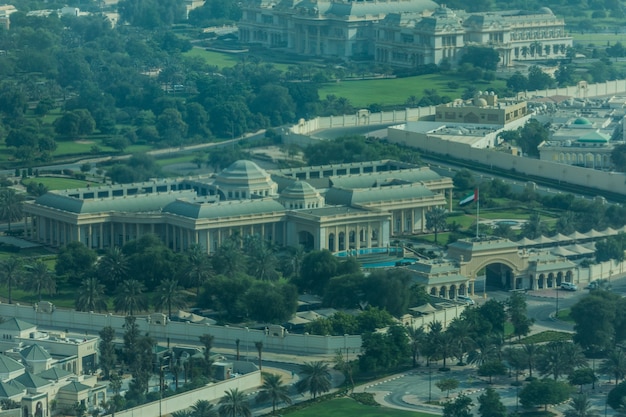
560 358
460 407
234 404
388 290
169 295
544 392
271 302
75 260
10 205
480 56
492 368
90 296
203 408
436 220
597 320
318 267
614 365
273 390
108 357
490 404
537 79
199 268
618 157
580 407
417 338
112 268
39 278
315 378
130 297
447 385
10 274
259 347
581 377
516 309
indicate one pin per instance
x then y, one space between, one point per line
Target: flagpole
477 197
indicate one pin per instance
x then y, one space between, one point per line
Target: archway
307 240
342 241
331 242
498 275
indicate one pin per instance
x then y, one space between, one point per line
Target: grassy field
222 59
547 336
346 407
362 93
599 39
54 183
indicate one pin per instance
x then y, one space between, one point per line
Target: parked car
592 285
465 299
568 286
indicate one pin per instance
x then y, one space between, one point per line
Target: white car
465 299
568 286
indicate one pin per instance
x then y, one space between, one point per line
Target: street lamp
557 303
247 341
430 385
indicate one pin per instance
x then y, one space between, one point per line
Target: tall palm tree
416 340
273 390
113 267
199 266
580 407
234 404
130 297
10 205
315 378
10 270
169 295
40 278
615 365
203 408
531 352
262 261
560 358
259 347
90 296
436 220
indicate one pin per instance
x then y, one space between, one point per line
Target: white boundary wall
185 400
607 181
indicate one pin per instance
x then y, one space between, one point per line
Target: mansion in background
400 33
335 207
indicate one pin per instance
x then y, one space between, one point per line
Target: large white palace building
334 207
401 33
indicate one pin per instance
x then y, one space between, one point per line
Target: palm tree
259 347
531 352
169 295
40 278
436 220
416 339
90 296
485 351
615 365
10 205
203 408
113 267
199 267
10 269
315 378
273 390
525 51
130 297
183 413
234 404
345 366
560 358
262 260
229 259
580 407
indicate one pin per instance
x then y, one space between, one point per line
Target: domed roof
243 169
581 121
545 10
480 102
299 190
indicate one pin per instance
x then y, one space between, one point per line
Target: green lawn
346 407
219 59
395 91
547 336
600 39
54 183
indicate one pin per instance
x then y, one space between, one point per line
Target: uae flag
470 198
